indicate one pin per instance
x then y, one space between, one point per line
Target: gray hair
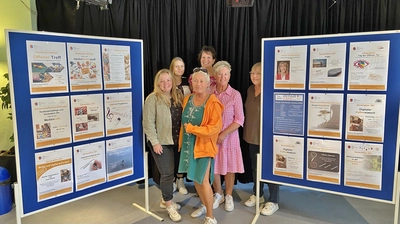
221 64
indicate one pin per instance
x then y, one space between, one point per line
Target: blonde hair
258 64
205 75
175 93
173 61
221 64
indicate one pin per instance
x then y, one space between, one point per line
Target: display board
330 113
76 104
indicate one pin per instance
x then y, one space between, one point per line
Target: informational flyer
363 165
47 67
323 160
84 67
87 116
116 66
365 117
90 165
368 65
327 66
51 121
290 67
119 158
53 173
118 113
325 112
288 156
289 113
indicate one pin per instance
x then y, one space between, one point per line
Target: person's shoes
198 212
229 206
173 214
252 201
180 185
208 220
163 205
218 200
269 208
174 187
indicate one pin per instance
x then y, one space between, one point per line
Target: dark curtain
172 28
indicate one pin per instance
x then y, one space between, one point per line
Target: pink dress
229 157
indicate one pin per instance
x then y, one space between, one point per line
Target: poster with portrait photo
290 67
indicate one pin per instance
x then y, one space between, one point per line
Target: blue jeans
165 164
273 188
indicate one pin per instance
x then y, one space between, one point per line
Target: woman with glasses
207 57
161 123
201 124
251 134
229 159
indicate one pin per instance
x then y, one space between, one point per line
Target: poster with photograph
363 165
116 66
289 113
47 67
365 117
53 173
323 160
119 158
118 113
288 156
368 65
327 66
84 67
51 121
325 112
290 67
90 162
87 116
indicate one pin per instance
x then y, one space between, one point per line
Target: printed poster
47 67
323 160
51 121
363 165
290 67
289 113
365 117
118 113
87 116
288 156
119 158
327 66
116 66
53 173
90 162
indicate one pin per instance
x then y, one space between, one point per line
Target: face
282 68
255 76
179 68
199 82
165 83
207 60
223 76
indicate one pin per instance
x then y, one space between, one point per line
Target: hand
221 137
158 149
96 165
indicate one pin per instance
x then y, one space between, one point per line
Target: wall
14 15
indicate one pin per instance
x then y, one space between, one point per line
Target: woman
201 124
161 123
207 57
229 159
251 134
177 67
283 71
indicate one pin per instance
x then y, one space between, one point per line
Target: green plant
6 100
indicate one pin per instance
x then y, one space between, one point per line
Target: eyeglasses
197 69
253 73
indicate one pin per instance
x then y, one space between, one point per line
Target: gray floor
297 206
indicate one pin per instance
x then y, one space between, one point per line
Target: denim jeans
273 188
165 164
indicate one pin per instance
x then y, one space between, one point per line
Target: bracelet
226 135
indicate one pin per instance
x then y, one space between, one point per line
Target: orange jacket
207 132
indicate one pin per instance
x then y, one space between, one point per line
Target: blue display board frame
22 117
390 146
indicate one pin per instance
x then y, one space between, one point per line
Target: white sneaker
198 212
252 201
163 205
174 187
229 206
208 220
218 200
181 186
269 208
173 214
